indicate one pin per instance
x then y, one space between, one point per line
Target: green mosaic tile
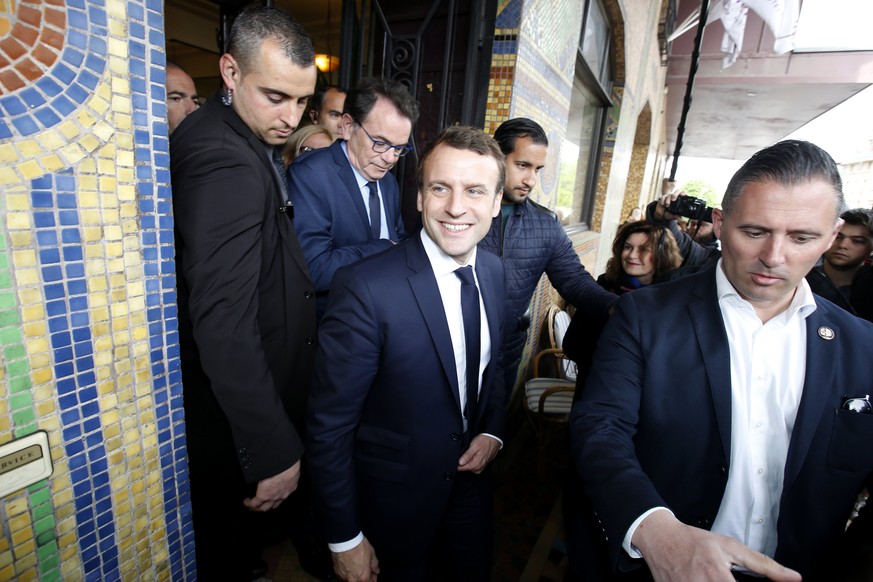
9 317
10 335
14 352
18 368
7 300
21 400
19 384
23 417
4 261
39 495
23 431
5 281
48 550
46 536
49 570
42 510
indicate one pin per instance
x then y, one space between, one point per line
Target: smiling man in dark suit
347 203
406 410
725 426
246 302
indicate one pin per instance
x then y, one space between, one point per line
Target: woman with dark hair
641 254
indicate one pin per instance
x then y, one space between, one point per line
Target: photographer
694 255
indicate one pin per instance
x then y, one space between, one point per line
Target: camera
691 207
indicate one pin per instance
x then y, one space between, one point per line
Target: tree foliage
702 189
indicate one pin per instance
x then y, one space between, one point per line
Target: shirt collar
442 263
362 181
803 302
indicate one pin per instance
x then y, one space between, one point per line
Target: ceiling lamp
326 63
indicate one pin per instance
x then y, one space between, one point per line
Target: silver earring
227 97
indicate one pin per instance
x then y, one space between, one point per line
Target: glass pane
576 152
595 40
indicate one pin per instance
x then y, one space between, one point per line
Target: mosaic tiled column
87 294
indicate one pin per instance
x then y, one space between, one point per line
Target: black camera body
691 207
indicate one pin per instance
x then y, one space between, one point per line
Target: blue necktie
472 330
375 211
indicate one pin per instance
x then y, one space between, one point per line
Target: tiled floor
528 539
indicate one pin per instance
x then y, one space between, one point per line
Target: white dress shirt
365 195
768 367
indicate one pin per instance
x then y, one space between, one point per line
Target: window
589 107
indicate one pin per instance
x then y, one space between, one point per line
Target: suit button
723 470
309 294
448 476
309 341
456 436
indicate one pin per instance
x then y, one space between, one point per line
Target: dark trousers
459 549
228 537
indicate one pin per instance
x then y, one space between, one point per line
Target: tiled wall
87 294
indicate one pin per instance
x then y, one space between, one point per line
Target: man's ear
313 116
229 70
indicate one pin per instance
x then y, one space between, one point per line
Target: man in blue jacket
530 240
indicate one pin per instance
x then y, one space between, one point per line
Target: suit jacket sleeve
347 361
603 426
220 206
322 211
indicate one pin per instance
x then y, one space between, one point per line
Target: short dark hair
859 217
256 24
788 163
361 99
666 254
512 129
461 137
317 100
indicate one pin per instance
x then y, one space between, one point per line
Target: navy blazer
652 426
329 213
384 421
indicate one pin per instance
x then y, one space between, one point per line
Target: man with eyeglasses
346 201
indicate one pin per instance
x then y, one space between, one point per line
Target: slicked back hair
361 99
317 100
256 24
512 129
461 137
788 163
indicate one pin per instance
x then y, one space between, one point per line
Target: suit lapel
427 294
347 177
712 338
817 389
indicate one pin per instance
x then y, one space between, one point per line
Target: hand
358 564
481 451
272 491
664 202
676 552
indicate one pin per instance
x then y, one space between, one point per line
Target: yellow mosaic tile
73 153
24 258
5 560
8 175
51 163
28 148
103 130
32 313
27 277
123 122
51 140
20 540
29 296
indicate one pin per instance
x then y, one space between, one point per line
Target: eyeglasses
380 147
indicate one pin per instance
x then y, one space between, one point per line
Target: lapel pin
825 333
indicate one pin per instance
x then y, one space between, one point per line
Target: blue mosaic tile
77 19
47 237
77 39
5 132
48 86
63 105
13 105
135 11
47 117
96 65
25 125
137 30
49 256
98 16
77 93
97 46
154 19
63 73
70 235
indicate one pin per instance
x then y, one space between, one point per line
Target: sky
846 131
